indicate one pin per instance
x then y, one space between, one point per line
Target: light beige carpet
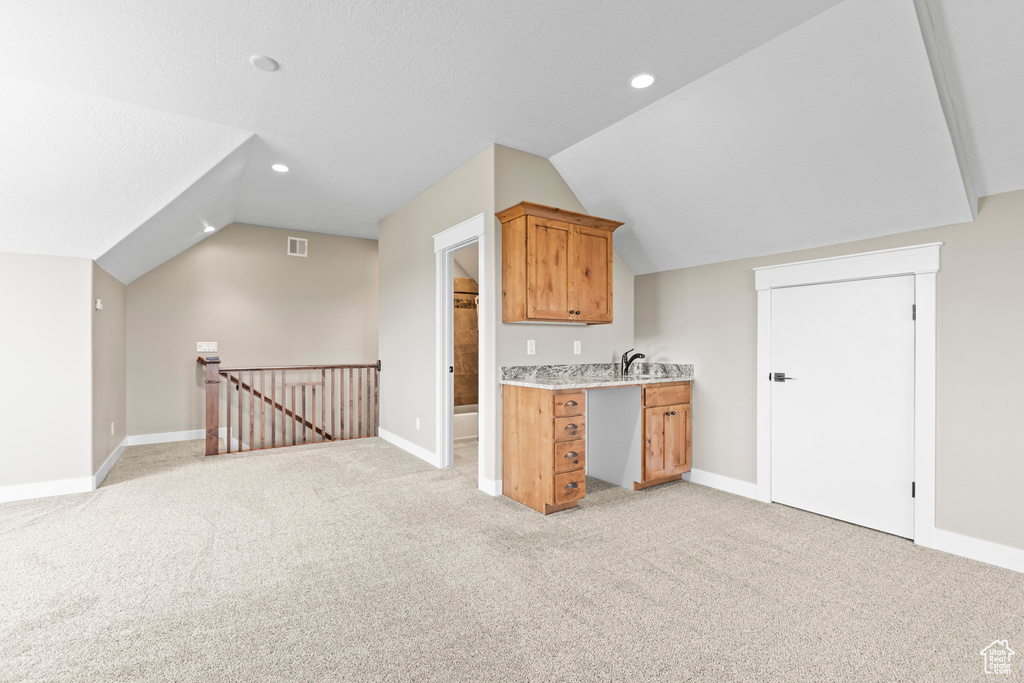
357 562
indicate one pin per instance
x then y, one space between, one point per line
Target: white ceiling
141 133
829 133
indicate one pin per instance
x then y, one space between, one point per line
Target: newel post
212 405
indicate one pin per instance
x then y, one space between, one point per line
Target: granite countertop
593 375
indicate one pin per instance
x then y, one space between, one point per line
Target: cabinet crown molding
552 213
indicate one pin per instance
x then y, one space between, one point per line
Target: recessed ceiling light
280 168
263 62
208 227
642 81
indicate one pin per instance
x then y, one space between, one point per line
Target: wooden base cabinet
543 447
667 427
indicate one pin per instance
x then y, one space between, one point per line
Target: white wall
46 344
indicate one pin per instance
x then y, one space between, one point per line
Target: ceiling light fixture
641 81
263 63
208 228
280 168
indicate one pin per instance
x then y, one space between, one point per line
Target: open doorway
465 356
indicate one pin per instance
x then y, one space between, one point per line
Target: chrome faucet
627 360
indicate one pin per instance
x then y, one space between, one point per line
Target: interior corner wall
241 289
707 315
46 338
407 291
520 176
109 399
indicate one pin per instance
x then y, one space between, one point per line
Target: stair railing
318 402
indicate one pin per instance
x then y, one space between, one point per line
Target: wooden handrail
324 388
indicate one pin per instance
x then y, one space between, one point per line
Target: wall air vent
298 246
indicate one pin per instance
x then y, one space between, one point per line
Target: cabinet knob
577 312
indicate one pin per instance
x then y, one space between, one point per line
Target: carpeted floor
358 562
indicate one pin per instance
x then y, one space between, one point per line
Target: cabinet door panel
593 274
549 268
654 443
677 439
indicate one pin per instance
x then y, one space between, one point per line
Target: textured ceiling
375 101
142 134
829 133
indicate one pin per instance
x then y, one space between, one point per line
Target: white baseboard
45 489
409 446
168 437
490 486
104 469
722 483
977 549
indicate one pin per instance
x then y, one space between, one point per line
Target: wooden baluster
213 405
293 414
351 405
323 404
313 406
304 413
360 373
341 403
252 411
229 413
263 402
334 433
376 402
240 411
273 410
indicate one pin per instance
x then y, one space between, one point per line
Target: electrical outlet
99 304
111 428
577 347
531 347
206 347
417 423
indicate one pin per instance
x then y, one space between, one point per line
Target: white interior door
842 429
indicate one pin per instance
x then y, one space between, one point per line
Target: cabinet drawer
570 486
667 394
567 428
570 404
570 455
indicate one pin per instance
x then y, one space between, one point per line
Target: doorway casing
469 232
921 261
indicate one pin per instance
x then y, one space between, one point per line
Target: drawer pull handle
570 404
571 454
572 485
570 426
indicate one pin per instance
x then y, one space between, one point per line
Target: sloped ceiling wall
829 133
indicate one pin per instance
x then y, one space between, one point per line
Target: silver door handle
779 377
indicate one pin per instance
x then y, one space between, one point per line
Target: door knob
779 377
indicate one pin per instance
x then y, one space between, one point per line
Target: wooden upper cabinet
556 265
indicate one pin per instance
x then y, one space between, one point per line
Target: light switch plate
206 347
577 347
99 304
531 347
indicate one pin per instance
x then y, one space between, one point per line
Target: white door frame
921 261
466 233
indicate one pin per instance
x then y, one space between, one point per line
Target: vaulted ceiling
129 127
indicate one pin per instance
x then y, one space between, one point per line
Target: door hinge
378 366
913 489
915 312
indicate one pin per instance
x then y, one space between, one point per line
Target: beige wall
707 315
108 366
240 289
526 177
407 292
46 341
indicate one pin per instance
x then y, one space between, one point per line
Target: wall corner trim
409 447
722 483
104 469
491 487
977 549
